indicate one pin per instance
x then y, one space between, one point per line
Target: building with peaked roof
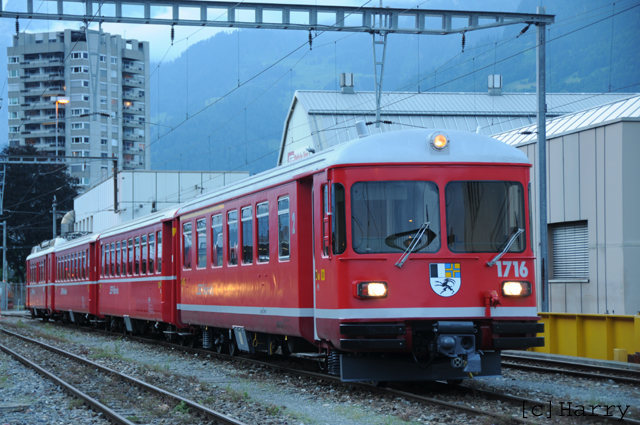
320 119
593 200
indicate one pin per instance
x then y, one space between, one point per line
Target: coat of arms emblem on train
445 278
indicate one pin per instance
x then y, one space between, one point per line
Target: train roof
147 220
396 147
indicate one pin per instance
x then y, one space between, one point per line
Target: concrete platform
584 360
18 313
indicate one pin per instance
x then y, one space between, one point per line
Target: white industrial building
140 193
320 119
593 204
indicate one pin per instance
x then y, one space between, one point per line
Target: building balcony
132 123
130 67
131 82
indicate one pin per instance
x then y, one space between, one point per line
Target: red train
399 256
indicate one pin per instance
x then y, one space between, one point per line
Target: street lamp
63 100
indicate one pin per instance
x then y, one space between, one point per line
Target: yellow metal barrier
593 336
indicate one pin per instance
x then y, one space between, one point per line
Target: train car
137 291
401 256
75 281
40 271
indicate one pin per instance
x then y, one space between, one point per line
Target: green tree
28 195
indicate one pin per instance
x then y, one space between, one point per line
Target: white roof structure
626 109
321 119
406 147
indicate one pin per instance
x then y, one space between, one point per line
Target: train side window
186 245
84 264
247 235
118 258
232 232
325 220
136 266
112 263
75 266
283 228
130 260
262 218
143 266
123 258
217 240
102 262
159 263
339 219
201 229
152 253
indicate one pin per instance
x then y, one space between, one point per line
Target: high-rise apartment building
104 80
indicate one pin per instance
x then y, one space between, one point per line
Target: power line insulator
310 41
463 40
173 34
523 30
17 27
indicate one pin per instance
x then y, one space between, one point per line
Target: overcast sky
159 35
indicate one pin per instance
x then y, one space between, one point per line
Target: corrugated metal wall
590 177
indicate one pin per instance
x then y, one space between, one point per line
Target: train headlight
516 289
371 290
439 141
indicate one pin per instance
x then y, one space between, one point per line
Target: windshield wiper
506 248
413 245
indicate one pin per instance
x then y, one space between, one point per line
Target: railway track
572 368
103 389
460 398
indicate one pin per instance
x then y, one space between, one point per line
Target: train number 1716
516 268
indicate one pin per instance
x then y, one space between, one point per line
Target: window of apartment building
103 142
103 127
114 87
79 153
114 101
79 69
13 115
14 129
79 168
14 73
14 87
103 58
114 73
104 154
76 112
80 140
13 59
13 101
79 97
79 126
114 129
114 60
103 72
79 83
103 86
114 142
103 99
52 40
79 55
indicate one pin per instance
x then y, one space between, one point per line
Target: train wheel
232 348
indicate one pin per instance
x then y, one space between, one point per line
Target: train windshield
483 216
386 216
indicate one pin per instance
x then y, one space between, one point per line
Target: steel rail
211 414
510 360
91 402
380 390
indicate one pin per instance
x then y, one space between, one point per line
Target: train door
322 299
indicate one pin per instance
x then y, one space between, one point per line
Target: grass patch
105 353
273 410
182 408
75 403
236 395
20 324
134 419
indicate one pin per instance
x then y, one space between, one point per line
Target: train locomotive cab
423 268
